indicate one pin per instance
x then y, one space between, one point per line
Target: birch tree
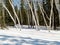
10 1
20 11
51 13
35 10
9 13
4 6
32 14
41 9
57 3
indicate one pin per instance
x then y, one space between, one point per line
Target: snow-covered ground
14 36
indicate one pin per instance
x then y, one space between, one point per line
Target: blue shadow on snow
25 40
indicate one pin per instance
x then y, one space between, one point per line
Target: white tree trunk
45 14
10 1
9 13
35 10
32 14
41 9
58 8
51 13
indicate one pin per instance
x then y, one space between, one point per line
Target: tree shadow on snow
16 40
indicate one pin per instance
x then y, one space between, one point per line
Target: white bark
58 8
10 1
32 14
51 13
41 9
9 13
20 13
37 20
45 14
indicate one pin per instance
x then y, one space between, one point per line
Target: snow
14 36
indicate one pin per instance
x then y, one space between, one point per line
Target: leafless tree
41 9
35 10
51 14
57 3
10 1
9 13
32 14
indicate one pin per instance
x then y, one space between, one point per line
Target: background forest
30 12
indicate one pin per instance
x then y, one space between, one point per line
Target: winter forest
29 22
33 13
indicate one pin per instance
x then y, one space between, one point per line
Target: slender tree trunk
51 13
41 9
10 1
57 3
9 14
45 14
32 14
21 17
37 20
3 17
28 18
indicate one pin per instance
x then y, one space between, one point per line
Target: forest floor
13 36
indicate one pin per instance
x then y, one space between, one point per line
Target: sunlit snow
26 36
